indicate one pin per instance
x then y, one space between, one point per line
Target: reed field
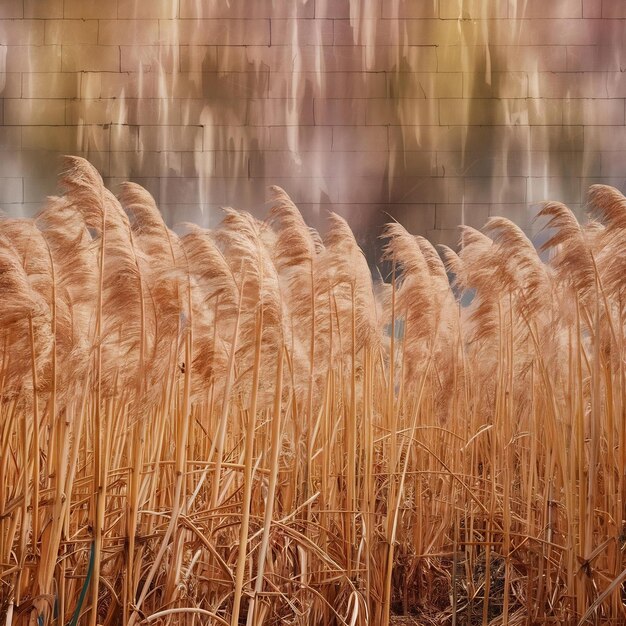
241 426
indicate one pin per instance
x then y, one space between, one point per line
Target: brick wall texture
432 111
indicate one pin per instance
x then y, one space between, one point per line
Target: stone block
360 138
556 9
131 32
47 9
10 137
160 9
594 58
301 139
613 9
342 9
592 8
545 188
340 111
21 32
303 32
241 138
33 58
10 85
467 9
225 32
89 9
150 59
204 59
495 85
176 138
217 9
12 9
50 85
215 111
484 112
522 58
11 190
34 112
494 189
150 164
388 112
599 111
86 58
71 31
425 85
451 216
125 137
280 112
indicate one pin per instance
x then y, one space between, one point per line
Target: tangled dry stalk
222 428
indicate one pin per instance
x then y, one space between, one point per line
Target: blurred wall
433 111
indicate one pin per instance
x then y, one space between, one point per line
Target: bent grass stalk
271 489
248 471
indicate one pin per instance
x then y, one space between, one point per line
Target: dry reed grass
221 428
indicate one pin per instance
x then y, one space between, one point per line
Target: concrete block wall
433 111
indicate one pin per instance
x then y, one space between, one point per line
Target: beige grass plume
415 304
349 278
25 323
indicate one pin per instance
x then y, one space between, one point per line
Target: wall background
435 111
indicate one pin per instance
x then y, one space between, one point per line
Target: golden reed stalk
240 426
